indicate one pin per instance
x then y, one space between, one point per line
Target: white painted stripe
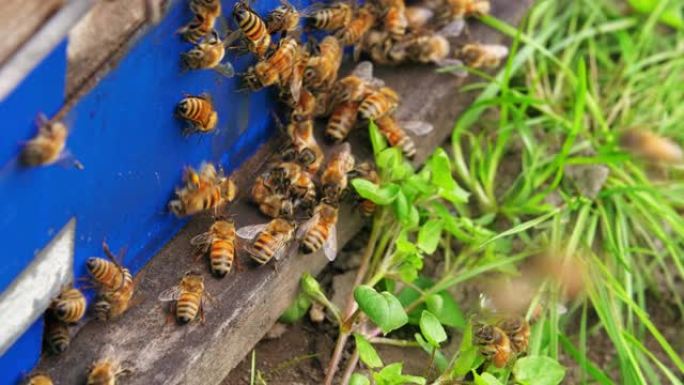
25 300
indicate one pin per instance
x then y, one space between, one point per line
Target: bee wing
284 247
170 294
249 232
453 29
201 239
498 50
454 67
364 70
417 127
306 226
330 245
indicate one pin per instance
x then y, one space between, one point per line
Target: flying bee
219 241
483 55
366 170
518 331
199 112
107 370
494 344
396 133
69 306
331 18
253 28
108 274
206 193
206 12
283 19
208 54
39 379
321 70
188 298
360 24
271 199
48 147
379 103
320 231
334 178
277 69
342 121
56 337
651 146
270 240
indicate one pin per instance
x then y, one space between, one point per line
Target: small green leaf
312 288
382 195
401 207
383 309
367 352
389 160
391 375
440 166
414 218
377 140
431 328
296 310
538 370
429 235
468 359
408 295
446 309
358 379
485 379
440 360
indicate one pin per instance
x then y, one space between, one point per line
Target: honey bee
270 240
379 104
277 69
107 370
342 121
110 305
417 17
518 331
320 231
188 298
323 105
396 133
367 171
271 199
321 70
483 55
56 337
334 178
463 8
199 112
220 242
207 192
303 146
331 18
283 19
394 20
296 181
108 275
494 344
253 28
39 379
208 54
359 25
356 86
47 147
305 108
69 306
206 12
651 146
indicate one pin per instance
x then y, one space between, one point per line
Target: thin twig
351 366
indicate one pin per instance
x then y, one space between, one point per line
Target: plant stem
351 365
394 342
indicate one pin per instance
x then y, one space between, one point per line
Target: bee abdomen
407 146
187 307
57 337
313 241
221 258
262 251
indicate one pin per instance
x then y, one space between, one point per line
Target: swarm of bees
300 190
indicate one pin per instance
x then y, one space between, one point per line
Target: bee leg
171 313
225 69
189 130
203 320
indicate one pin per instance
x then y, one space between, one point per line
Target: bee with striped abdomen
276 69
342 120
320 231
253 28
330 18
69 306
321 70
270 240
108 274
356 86
188 298
379 103
284 19
493 344
297 182
219 241
56 337
394 18
208 54
204 191
334 177
199 112
396 133
359 25
272 199
477 55
206 13
107 370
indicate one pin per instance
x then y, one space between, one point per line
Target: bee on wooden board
356 86
208 54
379 103
188 298
334 177
477 55
199 112
272 200
252 27
277 69
283 19
56 337
330 18
204 194
396 133
302 147
107 370
108 274
219 242
321 70
270 240
290 176
320 231
48 146
342 120
367 171
39 379
206 13
69 306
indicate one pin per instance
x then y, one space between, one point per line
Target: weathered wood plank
20 19
248 303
